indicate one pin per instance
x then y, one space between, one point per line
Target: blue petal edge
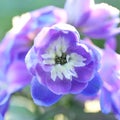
4 97
93 86
1 117
105 101
41 95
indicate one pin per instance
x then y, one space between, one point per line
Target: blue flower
61 64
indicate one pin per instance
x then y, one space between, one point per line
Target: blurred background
22 106
9 9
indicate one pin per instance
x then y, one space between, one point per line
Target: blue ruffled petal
105 101
93 86
41 95
1 118
4 97
4 107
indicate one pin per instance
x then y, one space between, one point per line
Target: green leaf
21 108
19 113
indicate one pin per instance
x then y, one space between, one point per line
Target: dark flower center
61 60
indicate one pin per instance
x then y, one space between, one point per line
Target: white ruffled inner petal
77 60
53 73
66 70
48 56
59 71
49 61
64 46
58 48
70 67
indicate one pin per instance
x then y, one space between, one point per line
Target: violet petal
41 95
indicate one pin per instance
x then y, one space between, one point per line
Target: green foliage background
22 106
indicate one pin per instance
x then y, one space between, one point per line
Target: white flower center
62 63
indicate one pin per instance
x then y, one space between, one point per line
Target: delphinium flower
93 20
110 73
61 64
13 73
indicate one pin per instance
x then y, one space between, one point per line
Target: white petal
70 70
77 60
47 56
58 48
79 63
66 72
85 47
53 73
49 61
67 58
59 71
64 45
73 72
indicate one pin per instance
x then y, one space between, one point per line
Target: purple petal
86 73
48 35
19 47
31 60
93 86
38 19
97 18
111 42
41 95
105 101
82 50
102 32
4 96
77 87
116 102
104 21
1 117
59 86
17 76
76 9
110 63
46 16
92 57
4 107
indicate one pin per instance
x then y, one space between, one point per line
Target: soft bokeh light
92 106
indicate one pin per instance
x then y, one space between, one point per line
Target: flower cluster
44 50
